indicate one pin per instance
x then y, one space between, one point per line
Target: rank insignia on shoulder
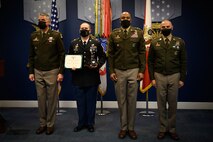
61 35
117 37
137 28
157 44
50 39
35 39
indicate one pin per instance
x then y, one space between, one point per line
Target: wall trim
106 104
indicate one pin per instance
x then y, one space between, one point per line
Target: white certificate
73 61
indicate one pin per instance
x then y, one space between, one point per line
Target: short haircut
46 15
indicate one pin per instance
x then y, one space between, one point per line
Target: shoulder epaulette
179 38
35 32
96 39
92 36
176 38
138 28
158 39
38 31
116 29
75 39
57 32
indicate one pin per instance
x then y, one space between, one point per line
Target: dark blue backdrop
193 26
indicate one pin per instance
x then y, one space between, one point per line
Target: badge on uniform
93 51
76 48
133 45
177 44
135 35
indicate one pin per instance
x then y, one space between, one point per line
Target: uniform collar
169 37
127 29
85 40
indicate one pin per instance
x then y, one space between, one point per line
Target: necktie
167 42
43 35
125 33
84 43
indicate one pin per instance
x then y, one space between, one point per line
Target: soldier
86 79
126 56
167 70
46 64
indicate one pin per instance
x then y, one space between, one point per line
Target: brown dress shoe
122 134
132 134
161 135
40 130
174 136
50 130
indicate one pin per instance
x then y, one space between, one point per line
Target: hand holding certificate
73 61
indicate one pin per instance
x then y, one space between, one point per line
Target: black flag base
147 113
60 111
102 112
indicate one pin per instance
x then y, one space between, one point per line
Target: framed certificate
73 61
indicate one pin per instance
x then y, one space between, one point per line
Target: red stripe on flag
107 18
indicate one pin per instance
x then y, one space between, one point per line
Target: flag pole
59 111
147 112
55 26
99 31
58 108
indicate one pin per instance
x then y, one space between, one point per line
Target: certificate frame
73 61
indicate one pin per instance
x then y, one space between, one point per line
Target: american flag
54 16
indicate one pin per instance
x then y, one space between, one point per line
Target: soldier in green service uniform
126 56
46 65
167 70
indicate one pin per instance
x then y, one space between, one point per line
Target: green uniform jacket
126 52
167 60
46 53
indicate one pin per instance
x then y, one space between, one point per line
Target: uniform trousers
126 88
86 105
167 93
47 94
